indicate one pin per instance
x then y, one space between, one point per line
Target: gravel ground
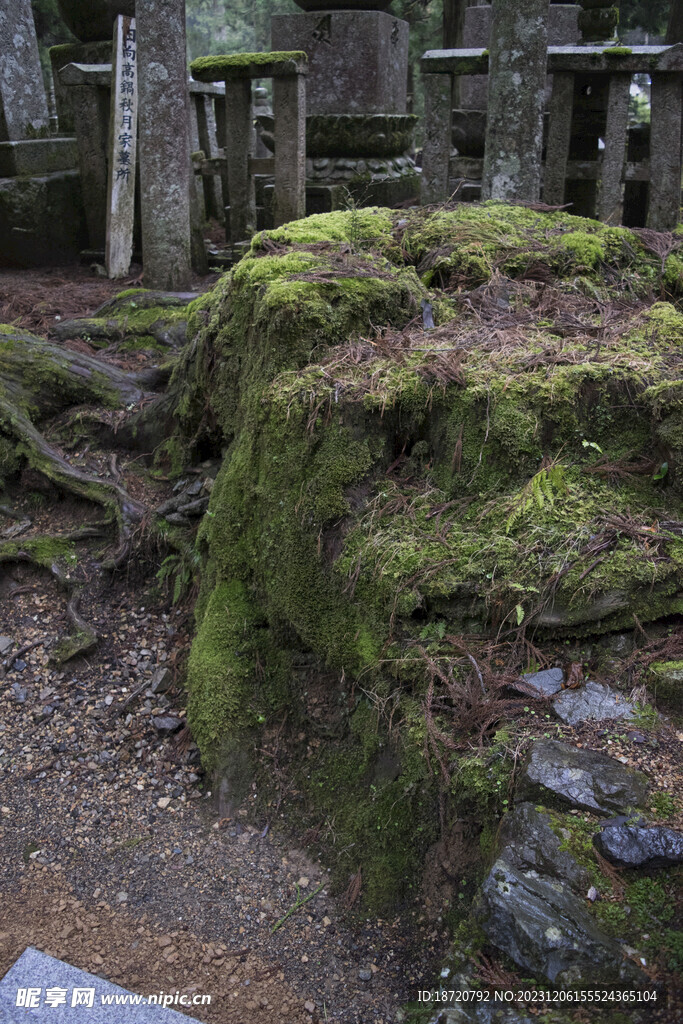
113 855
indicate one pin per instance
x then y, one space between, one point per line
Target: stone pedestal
358 134
23 104
37 156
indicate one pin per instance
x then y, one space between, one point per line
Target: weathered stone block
41 220
357 59
73 53
23 106
37 156
547 930
556 773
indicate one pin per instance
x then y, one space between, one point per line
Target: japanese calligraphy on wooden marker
122 148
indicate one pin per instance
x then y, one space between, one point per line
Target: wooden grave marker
122 148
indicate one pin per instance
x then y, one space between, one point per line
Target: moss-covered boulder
389 491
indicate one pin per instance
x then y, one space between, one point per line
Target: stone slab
357 60
37 156
35 970
577 59
545 683
594 702
557 774
23 104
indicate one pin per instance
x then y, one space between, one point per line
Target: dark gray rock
592 703
547 931
161 681
633 846
6 644
528 843
545 683
557 774
166 723
20 693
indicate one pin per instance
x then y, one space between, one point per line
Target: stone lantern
358 131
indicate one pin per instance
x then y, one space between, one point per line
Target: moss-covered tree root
39 380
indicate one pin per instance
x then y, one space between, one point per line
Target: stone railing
664 64
237 71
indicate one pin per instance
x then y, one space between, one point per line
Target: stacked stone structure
40 210
358 131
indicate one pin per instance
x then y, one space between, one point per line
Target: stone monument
563 30
91 21
358 133
40 209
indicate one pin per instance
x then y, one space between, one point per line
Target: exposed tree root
44 458
38 381
83 638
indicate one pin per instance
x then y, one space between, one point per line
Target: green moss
385 489
220 688
216 67
665 679
362 226
388 831
587 251
664 805
43 550
576 837
673 274
617 51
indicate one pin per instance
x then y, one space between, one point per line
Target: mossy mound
388 490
